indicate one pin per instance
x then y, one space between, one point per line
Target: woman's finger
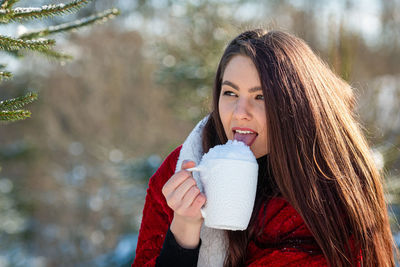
175 199
190 195
178 177
186 164
198 202
175 180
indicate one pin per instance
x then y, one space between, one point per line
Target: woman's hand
184 198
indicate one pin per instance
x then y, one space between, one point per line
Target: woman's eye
260 97
229 93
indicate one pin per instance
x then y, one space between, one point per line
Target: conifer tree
37 40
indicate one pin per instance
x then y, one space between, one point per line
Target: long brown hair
320 160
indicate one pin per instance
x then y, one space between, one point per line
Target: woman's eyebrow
231 84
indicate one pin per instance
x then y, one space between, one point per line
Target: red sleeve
280 258
157 216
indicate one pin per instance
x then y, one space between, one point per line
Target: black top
172 254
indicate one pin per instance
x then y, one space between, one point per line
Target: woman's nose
242 109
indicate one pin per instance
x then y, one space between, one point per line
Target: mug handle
197 169
194 169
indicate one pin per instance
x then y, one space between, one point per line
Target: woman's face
241 105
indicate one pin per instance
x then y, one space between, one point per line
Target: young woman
319 196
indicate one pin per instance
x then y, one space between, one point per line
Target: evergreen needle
52 54
9 43
4 75
7 3
21 13
14 115
18 102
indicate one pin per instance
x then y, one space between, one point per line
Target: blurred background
74 175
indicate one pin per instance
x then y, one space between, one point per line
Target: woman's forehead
241 71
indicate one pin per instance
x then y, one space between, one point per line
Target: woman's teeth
244 132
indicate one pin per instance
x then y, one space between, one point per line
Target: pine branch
5 75
9 43
99 17
14 115
49 53
21 13
7 3
17 103
56 55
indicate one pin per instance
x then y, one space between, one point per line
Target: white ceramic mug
230 187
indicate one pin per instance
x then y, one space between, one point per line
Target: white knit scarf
213 241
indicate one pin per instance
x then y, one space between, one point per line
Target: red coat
285 241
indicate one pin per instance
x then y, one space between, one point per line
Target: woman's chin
257 153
